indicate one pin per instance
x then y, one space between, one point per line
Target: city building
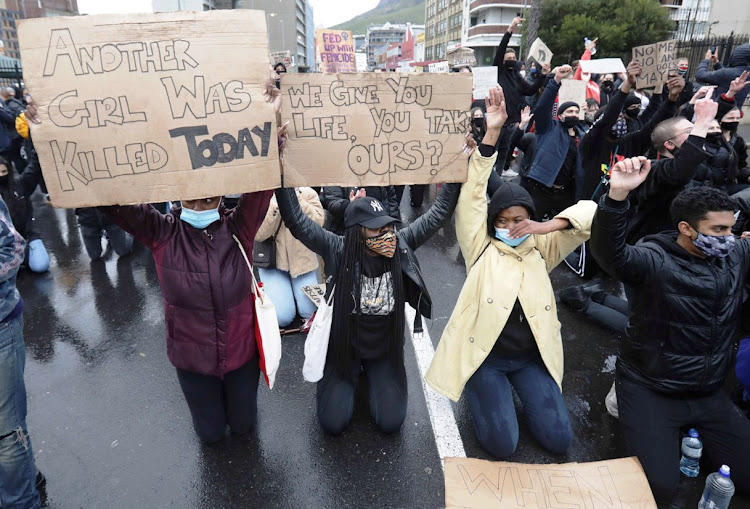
9 34
41 8
188 5
360 42
690 17
379 37
729 16
485 23
443 27
309 36
290 22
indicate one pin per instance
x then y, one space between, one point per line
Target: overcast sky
325 12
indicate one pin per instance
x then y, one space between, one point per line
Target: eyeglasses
686 131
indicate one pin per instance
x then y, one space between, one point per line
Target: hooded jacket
12 248
686 309
739 61
496 276
206 285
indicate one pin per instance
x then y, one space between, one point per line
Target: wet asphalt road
111 429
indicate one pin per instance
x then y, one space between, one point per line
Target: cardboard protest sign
484 79
375 129
618 483
335 50
285 57
315 293
436 67
657 60
151 107
572 90
540 53
461 57
602 66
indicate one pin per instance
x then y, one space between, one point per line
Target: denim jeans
491 403
285 291
17 469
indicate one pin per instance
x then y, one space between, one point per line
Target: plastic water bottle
586 40
692 448
719 490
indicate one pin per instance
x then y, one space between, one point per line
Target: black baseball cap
367 212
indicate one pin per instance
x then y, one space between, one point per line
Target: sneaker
510 174
575 297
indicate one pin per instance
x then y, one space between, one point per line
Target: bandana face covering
716 246
384 244
620 128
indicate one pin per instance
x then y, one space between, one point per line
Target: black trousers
653 425
549 201
215 403
388 396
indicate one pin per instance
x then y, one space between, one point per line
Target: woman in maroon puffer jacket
208 303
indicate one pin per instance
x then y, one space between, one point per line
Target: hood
506 196
740 57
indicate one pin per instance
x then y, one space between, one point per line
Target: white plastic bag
267 334
316 344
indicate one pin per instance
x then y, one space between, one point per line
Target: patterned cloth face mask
384 244
716 246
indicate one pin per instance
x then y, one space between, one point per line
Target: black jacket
336 199
513 84
686 310
667 178
330 246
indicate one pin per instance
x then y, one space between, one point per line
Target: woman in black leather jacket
374 271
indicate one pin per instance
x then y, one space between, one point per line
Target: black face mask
632 113
713 138
730 126
607 85
478 123
509 64
4 180
570 121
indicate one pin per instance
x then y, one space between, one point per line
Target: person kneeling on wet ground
504 330
373 272
208 300
673 362
296 266
93 225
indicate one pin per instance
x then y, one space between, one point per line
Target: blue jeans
17 469
285 291
491 403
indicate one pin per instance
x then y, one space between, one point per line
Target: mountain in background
395 11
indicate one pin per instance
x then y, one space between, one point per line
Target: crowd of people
651 189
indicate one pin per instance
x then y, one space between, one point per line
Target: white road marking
444 427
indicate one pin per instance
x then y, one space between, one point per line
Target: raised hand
516 21
562 72
627 175
591 44
496 112
546 69
738 84
702 92
273 94
361 193
634 70
526 116
675 85
705 110
470 144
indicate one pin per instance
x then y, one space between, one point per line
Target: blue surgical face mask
200 219
502 234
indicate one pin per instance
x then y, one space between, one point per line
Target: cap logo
376 206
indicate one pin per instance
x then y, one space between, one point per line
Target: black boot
575 297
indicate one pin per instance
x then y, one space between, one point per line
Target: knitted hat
508 195
564 106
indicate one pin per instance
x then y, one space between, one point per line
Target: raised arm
630 264
503 46
543 111
249 214
471 210
426 225
304 229
143 222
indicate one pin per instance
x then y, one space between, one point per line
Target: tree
619 25
534 16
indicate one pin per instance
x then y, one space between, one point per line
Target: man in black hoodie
688 289
514 86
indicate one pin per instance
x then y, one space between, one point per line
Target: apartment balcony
672 4
487 29
480 5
